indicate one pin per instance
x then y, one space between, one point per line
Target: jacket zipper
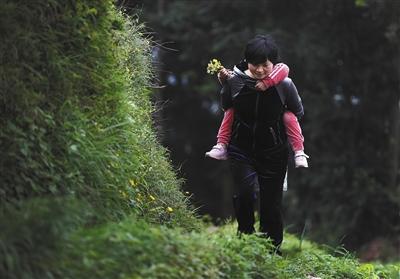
255 122
273 135
279 133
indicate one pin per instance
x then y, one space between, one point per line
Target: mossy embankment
86 189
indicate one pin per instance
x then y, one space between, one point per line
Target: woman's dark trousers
268 169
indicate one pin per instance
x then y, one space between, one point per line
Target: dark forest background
344 58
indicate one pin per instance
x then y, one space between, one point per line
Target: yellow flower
132 182
152 198
169 209
214 66
123 194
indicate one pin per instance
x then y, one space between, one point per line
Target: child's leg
296 139
225 130
219 151
293 131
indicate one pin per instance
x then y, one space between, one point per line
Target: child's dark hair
261 48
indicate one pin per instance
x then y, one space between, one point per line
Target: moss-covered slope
75 112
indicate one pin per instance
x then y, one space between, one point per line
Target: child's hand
224 74
260 86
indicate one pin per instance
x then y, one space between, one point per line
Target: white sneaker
300 159
218 152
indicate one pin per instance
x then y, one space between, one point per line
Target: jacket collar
239 70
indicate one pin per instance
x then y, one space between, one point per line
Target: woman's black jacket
258 123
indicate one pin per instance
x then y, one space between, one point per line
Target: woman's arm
290 97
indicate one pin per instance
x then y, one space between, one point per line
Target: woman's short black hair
260 49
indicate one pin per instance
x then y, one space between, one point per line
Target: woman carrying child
257 147
279 72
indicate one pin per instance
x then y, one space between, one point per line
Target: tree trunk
395 172
160 8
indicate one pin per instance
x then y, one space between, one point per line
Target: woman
258 149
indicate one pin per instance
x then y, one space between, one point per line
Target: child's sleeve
279 73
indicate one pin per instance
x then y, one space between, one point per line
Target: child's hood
240 69
240 79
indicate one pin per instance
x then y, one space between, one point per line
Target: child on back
293 130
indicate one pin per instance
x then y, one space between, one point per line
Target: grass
65 245
134 248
